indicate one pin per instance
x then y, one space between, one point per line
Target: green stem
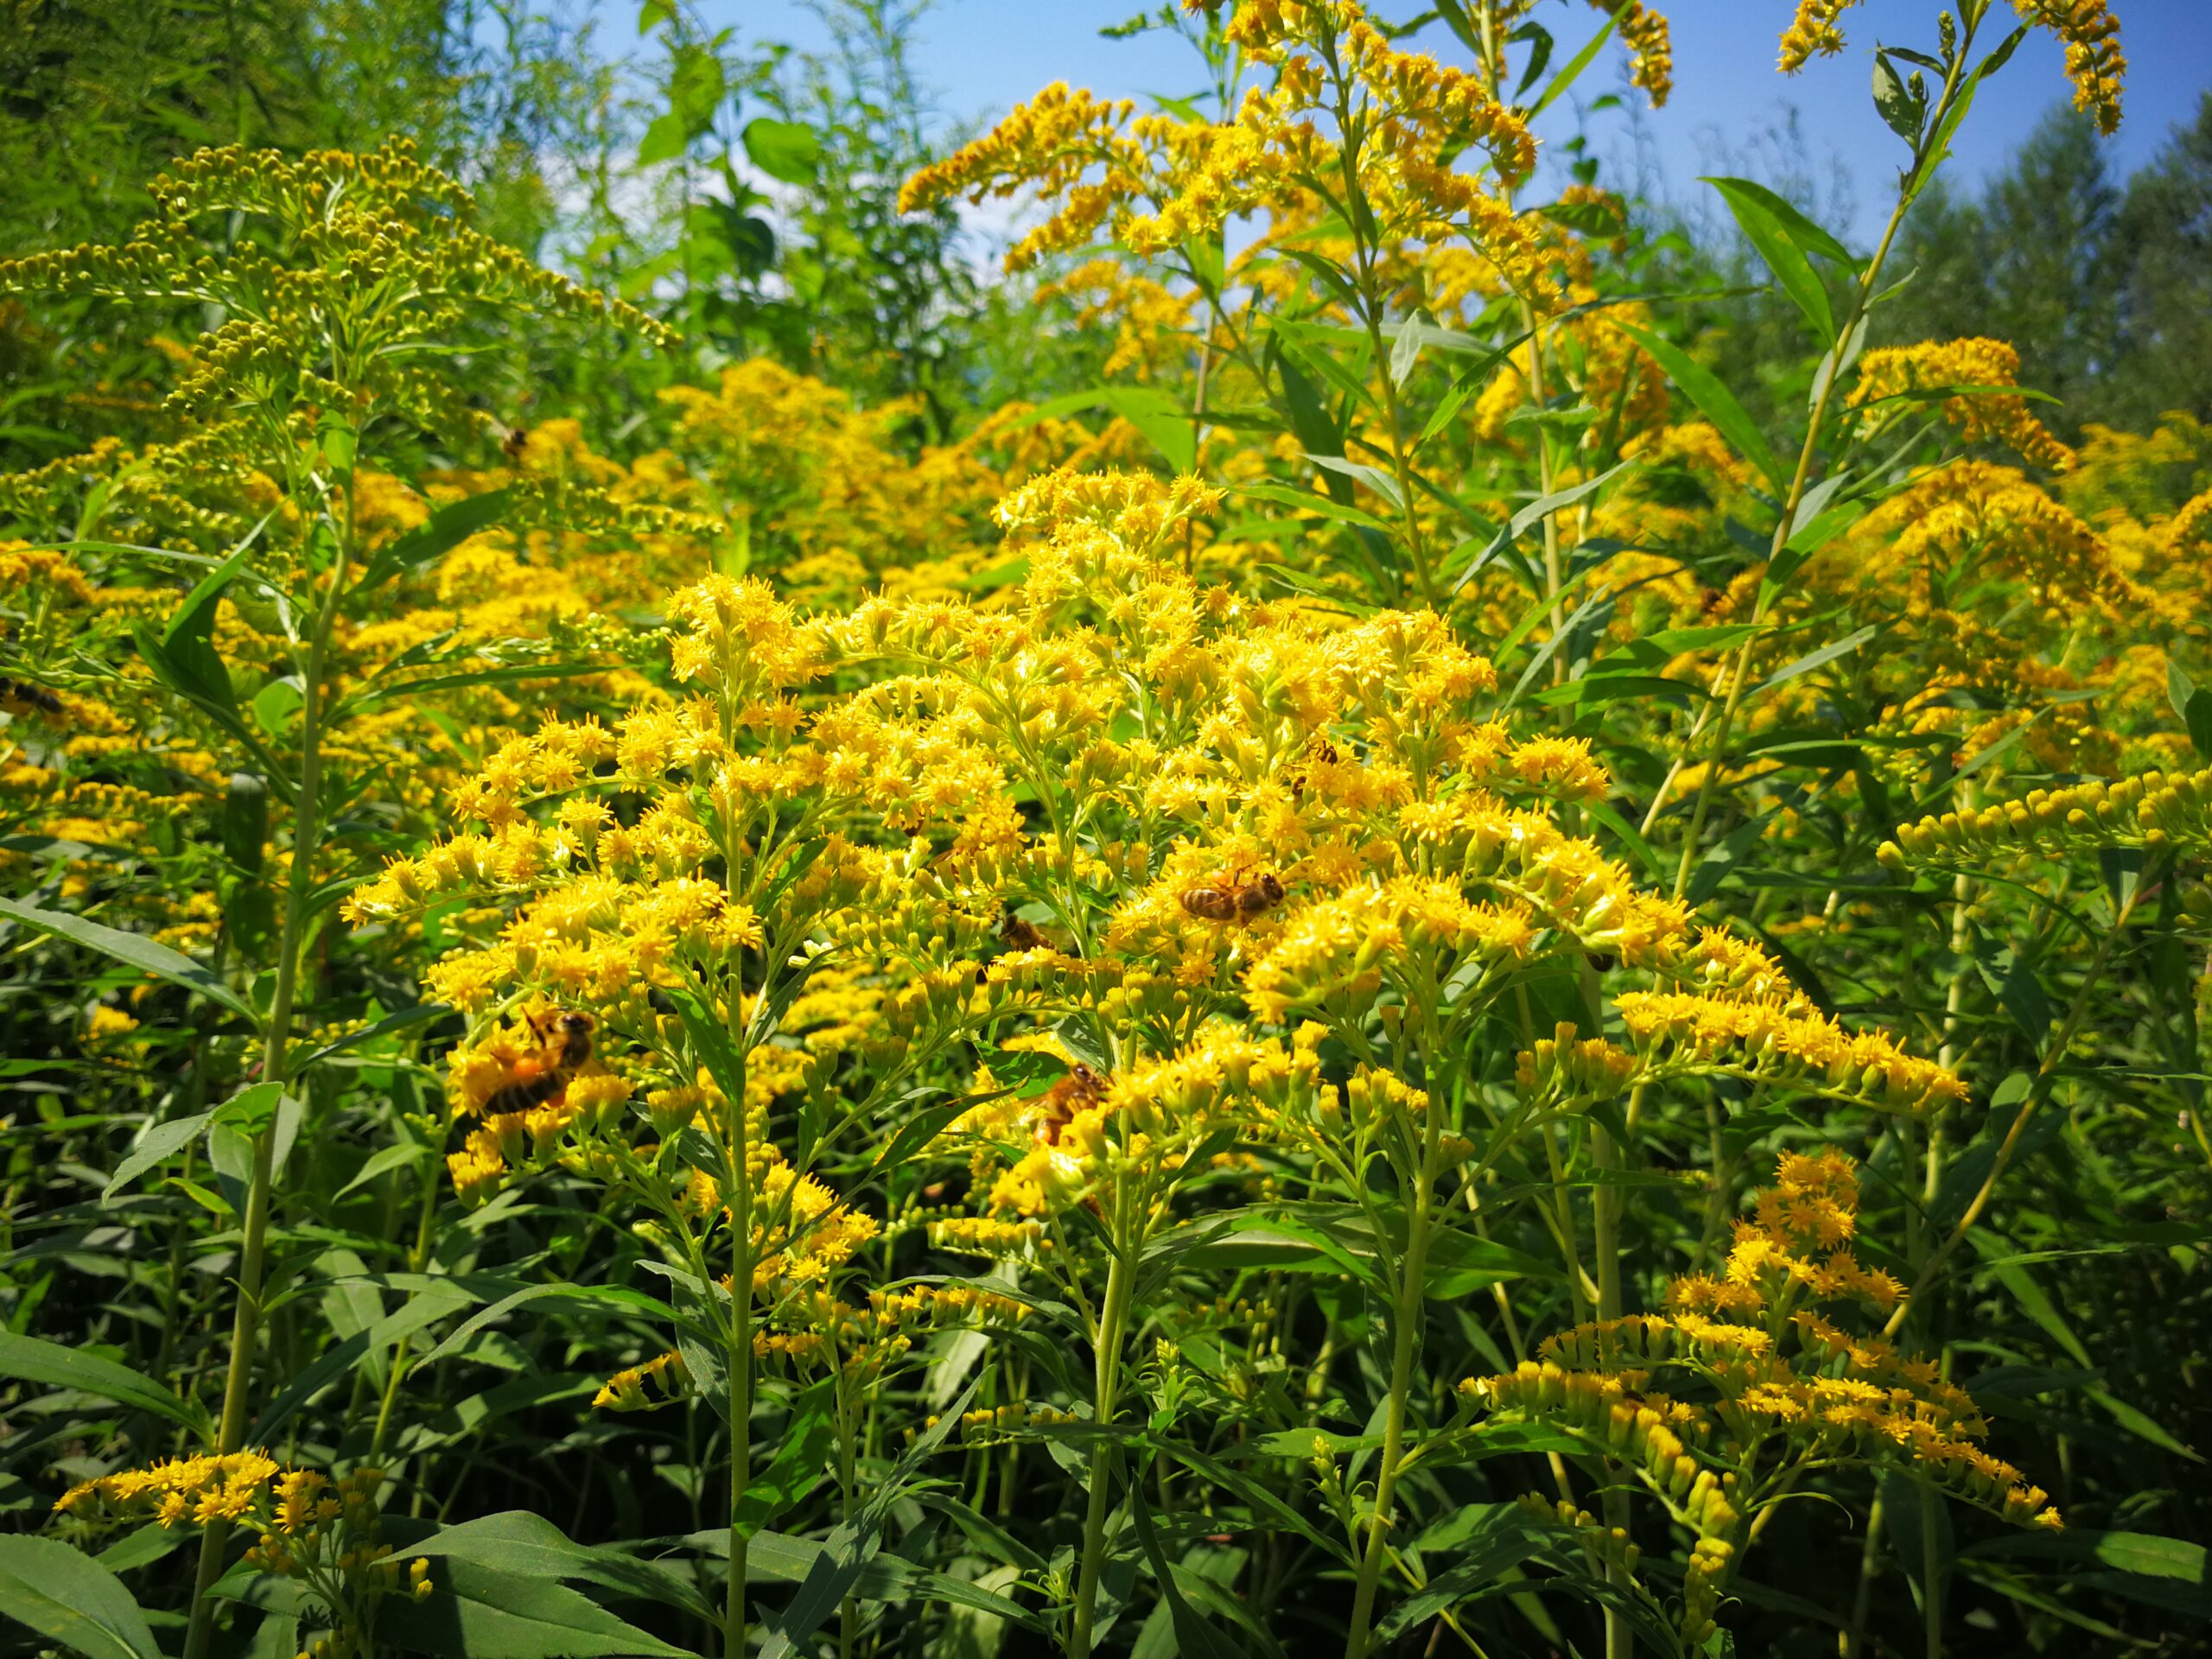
425 1230
1851 1643
1112 1316
2038 1090
1737 674
1407 1316
740 1360
1931 1571
246 1320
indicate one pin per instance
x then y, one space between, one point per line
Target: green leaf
1714 401
783 150
70 1598
1194 1637
1590 218
1307 501
160 1140
1161 419
391 1157
401 1020
1904 107
802 1449
1573 70
476 1611
55 1366
613 1296
2196 715
530 1546
187 643
129 948
2143 1553
1503 1536
1802 231
664 140
1782 251
848 1549
1812 660
2140 1424
506 675
438 534
426 1307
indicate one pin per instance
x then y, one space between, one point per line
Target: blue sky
979 57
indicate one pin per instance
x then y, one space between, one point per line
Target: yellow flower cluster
1788 1386
640 1387
1768 1042
1981 414
1400 120
2087 28
2156 811
2094 61
305 1526
1814 29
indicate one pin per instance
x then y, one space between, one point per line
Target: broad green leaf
1572 71
610 1296
1782 251
400 1021
1903 107
530 1546
1503 1537
784 150
1813 659
510 675
1803 232
70 1598
2143 1553
1590 218
187 642
850 1546
1713 400
55 1366
426 1307
476 1611
444 529
1307 501
1162 420
160 1140
1194 1638
129 948
391 1157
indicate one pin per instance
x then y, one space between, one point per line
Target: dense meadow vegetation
1381 909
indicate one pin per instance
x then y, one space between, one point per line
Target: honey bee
20 697
1018 935
564 1045
1080 1090
516 440
1229 899
1319 751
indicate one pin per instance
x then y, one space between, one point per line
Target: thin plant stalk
1406 1316
1113 1315
739 1359
246 1320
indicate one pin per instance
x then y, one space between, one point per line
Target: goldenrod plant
1393 982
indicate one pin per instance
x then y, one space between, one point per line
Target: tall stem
246 1317
2038 1090
425 1227
1850 1642
1112 1316
1407 1316
1737 674
739 1358
1931 1572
